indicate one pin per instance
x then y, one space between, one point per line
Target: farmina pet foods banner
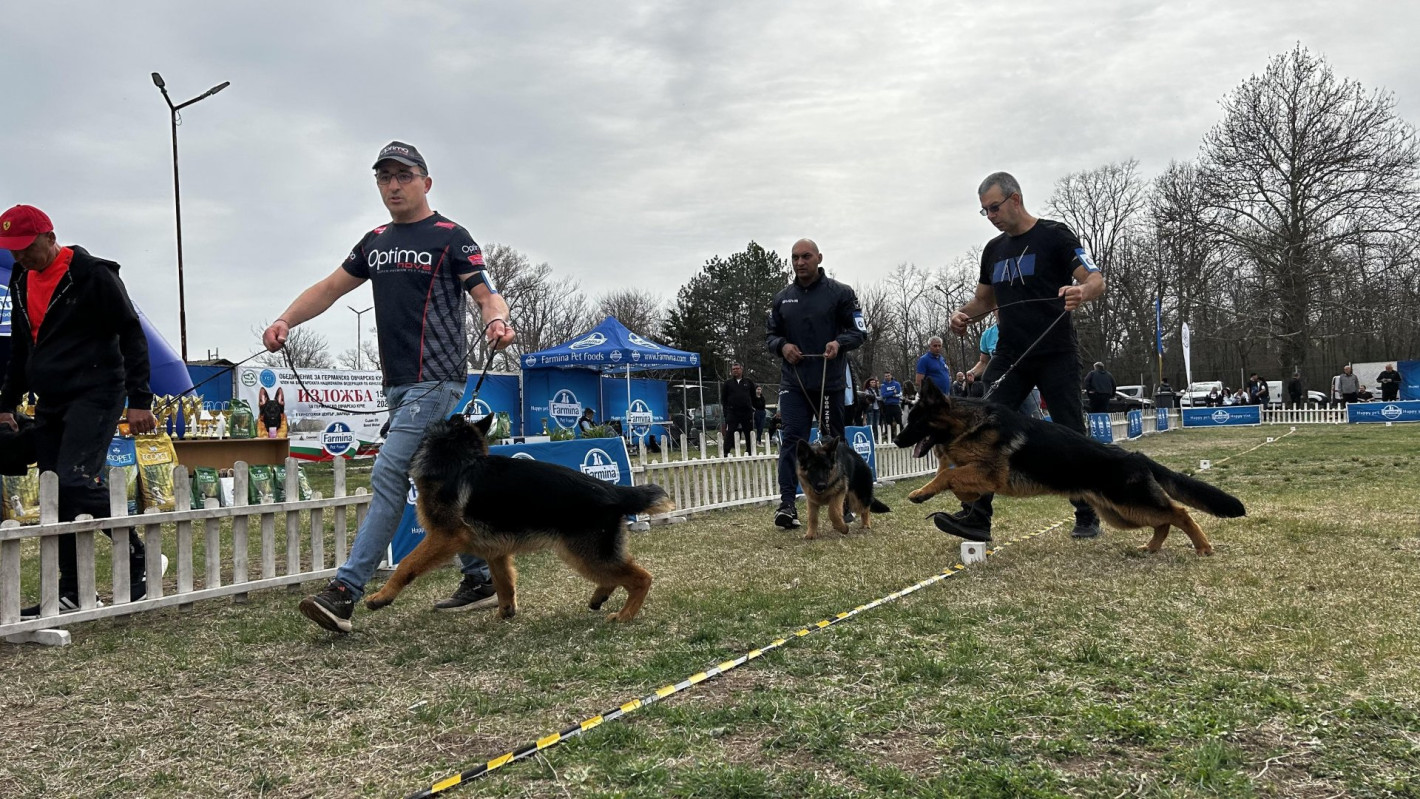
602 458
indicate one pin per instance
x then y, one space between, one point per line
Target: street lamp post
177 196
358 314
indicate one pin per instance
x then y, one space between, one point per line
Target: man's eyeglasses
403 178
994 207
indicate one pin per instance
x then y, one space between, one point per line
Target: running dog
496 507
983 448
830 471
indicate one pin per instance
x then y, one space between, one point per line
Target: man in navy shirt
933 366
892 403
423 268
1032 273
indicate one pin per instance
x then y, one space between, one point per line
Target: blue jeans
389 479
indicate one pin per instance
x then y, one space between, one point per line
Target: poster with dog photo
286 408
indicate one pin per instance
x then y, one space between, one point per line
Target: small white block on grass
43 637
1270 439
972 552
1204 464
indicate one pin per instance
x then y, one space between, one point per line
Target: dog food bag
303 482
21 495
205 486
278 483
242 423
229 489
156 461
123 454
259 487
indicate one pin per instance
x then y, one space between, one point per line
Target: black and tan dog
996 450
830 471
495 507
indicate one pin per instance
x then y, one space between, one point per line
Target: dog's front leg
505 582
436 548
939 483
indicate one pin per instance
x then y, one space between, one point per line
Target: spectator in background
909 397
872 403
1100 388
1218 397
973 387
1296 389
1164 396
959 385
892 403
933 366
1390 383
1257 391
77 344
587 422
737 403
759 412
1346 386
1364 395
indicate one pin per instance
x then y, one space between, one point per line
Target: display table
222 453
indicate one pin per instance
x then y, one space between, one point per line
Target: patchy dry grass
1287 665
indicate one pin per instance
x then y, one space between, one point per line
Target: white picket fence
225 570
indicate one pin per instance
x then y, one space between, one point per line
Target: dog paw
506 611
810 535
919 496
1202 553
375 602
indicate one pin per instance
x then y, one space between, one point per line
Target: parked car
1121 401
1197 393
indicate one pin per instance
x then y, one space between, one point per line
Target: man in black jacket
812 321
1390 383
77 344
737 402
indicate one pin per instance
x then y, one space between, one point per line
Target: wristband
480 278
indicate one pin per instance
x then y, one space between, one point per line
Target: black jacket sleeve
849 319
123 320
775 339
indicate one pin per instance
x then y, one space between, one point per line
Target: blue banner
1375 412
1100 428
602 458
499 394
6 264
1409 379
1161 419
555 398
1135 418
1226 416
861 439
648 404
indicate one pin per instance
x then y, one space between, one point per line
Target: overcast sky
623 143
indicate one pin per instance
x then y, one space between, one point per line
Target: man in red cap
78 345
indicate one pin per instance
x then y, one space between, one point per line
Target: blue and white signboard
602 458
1226 416
1376 412
1101 429
1135 418
862 440
499 394
1161 419
337 439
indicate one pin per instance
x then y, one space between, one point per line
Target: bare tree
641 311
1306 169
545 310
369 353
308 350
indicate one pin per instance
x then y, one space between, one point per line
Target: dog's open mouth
921 448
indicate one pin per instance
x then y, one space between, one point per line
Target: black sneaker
139 590
971 526
331 608
68 603
1083 530
471 594
787 516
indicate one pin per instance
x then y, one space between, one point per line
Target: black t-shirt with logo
420 303
1033 266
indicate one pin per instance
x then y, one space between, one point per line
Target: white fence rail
225 567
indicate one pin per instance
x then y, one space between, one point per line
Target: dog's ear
931 392
801 450
830 444
484 425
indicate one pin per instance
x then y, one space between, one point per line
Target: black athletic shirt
420 303
1030 266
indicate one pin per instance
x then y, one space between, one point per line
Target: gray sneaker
471 594
1086 530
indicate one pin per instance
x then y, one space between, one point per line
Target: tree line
1288 243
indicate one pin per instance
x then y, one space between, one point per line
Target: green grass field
1287 665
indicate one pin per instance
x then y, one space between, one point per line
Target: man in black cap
423 269
78 345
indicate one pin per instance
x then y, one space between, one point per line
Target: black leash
992 388
488 364
822 393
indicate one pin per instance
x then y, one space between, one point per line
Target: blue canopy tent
608 349
167 373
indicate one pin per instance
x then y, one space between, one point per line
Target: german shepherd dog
996 450
495 507
829 471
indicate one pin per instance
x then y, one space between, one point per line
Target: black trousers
72 440
1057 375
741 422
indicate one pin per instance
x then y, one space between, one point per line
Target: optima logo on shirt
398 258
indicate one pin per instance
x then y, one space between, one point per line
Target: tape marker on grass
694 679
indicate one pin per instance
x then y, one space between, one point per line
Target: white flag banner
1187 358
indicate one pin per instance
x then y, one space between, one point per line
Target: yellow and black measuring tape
695 679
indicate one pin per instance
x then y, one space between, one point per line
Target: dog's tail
648 498
877 506
1197 494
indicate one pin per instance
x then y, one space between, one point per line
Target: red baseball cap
20 225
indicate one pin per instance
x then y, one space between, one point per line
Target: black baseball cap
404 153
